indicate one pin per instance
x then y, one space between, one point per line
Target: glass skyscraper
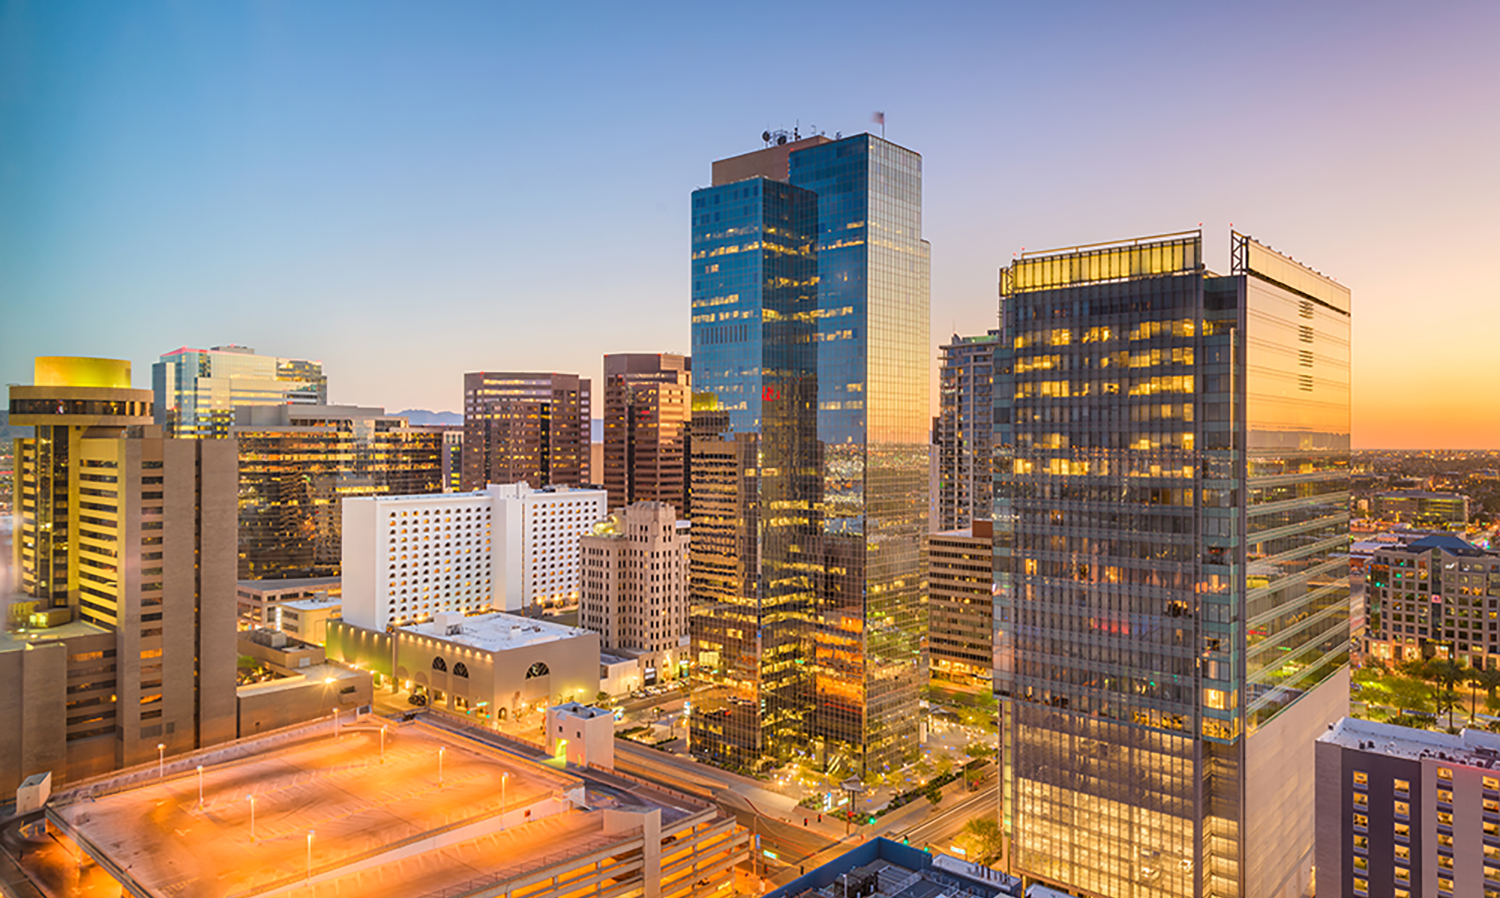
963 430
197 391
809 454
1171 595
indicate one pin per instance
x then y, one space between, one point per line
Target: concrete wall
286 660
268 706
1280 785
370 649
218 580
500 677
361 605
589 733
32 724
1328 820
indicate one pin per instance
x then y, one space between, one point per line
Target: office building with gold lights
122 644
198 391
1171 538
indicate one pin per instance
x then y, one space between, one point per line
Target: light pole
161 760
503 778
441 749
200 787
309 857
335 723
251 799
382 745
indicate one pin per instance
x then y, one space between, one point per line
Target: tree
1410 695
1445 675
986 837
1486 678
602 699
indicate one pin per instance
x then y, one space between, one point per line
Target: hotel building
530 427
1171 564
647 404
507 547
635 593
197 391
1404 813
810 295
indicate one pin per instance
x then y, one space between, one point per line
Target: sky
410 191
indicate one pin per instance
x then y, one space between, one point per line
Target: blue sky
409 191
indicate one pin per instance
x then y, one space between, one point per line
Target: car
639 693
416 699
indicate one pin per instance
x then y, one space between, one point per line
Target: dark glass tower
811 319
1172 600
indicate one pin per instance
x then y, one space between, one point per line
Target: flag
878 118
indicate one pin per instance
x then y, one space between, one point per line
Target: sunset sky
411 191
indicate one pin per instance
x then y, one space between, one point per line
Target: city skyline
376 174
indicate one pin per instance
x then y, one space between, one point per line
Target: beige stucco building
635 589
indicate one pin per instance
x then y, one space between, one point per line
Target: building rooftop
891 870
326 673
964 533
1453 545
495 631
290 584
19 639
313 604
1417 494
1474 748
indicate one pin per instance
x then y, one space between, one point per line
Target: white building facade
504 548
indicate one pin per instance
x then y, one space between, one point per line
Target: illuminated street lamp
251 799
503 778
309 856
382 745
161 760
200 787
441 749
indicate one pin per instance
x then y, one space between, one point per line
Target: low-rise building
294 684
1423 508
307 619
1435 596
492 664
1403 812
582 734
635 589
261 601
881 868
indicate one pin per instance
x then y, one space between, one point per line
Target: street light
200 787
251 799
309 857
441 749
161 760
503 778
382 745
335 723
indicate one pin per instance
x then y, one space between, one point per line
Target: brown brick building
526 426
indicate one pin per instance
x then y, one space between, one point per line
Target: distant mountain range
12 433
423 416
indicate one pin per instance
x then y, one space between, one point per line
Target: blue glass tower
810 341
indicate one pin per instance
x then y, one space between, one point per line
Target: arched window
439 664
538 669
461 670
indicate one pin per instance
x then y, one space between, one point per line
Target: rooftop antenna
879 119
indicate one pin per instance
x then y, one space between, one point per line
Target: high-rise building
635 587
1433 596
961 431
960 638
1404 812
647 404
1171 571
526 427
1423 508
297 464
810 348
125 544
197 391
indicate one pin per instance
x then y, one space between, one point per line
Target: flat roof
1475 748
313 604
300 677
19 639
294 583
497 632
360 809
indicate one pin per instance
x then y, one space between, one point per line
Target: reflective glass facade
810 346
197 391
962 435
1171 484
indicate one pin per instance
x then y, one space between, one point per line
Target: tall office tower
1171 537
198 390
453 456
962 431
531 427
647 403
810 335
635 587
126 539
297 462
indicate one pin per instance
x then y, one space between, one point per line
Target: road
940 829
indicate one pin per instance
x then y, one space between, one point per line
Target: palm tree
1486 678
1443 673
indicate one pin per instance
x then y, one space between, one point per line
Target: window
461 670
1401 785
539 669
440 664
1361 778
1445 774
1403 809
